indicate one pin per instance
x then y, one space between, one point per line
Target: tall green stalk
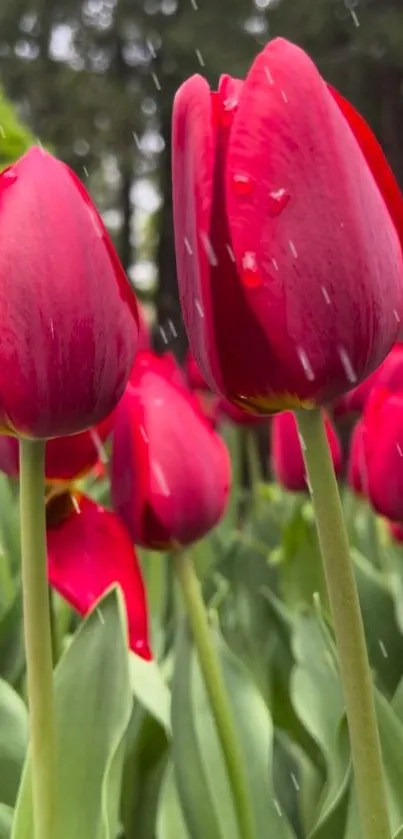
216 691
353 661
38 641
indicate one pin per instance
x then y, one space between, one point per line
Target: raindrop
399 449
355 18
163 335
302 442
85 170
229 107
2 132
199 308
160 478
188 246
383 648
193 3
156 81
172 328
294 781
52 328
40 146
95 221
209 249
136 139
293 249
231 253
274 263
397 316
250 275
151 48
242 184
309 485
200 58
75 505
100 615
99 448
277 806
8 177
284 95
326 295
348 367
278 200
269 75
143 433
306 364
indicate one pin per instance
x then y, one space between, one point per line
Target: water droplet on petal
278 200
7 178
242 184
228 110
250 275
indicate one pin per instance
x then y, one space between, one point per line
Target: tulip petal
287 455
383 451
375 158
309 221
88 551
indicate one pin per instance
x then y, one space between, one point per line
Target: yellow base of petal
266 405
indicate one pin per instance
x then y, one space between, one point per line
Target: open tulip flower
89 550
68 317
288 227
287 456
170 472
383 452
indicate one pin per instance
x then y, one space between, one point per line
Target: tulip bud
287 455
170 472
291 293
383 451
68 317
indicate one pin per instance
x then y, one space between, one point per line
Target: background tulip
356 469
291 293
69 320
287 456
89 549
383 450
170 472
66 457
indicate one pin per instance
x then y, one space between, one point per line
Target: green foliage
15 138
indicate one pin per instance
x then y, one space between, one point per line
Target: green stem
353 661
38 641
214 683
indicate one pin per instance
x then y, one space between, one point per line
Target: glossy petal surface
170 471
384 452
89 549
68 317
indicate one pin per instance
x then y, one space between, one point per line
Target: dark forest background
95 79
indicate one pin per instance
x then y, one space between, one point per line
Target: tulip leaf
13 742
144 770
200 771
171 822
301 571
93 705
384 639
317 698
150 689
12 656
6 820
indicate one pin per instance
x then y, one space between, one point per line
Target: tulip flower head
68 318
287 454
170 472
288 228
356 469
383 450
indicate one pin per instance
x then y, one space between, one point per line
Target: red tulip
89 549
193 374
356 470
68 318
287 225
396 531
66 457
383 450
170 472
287 454
389 375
